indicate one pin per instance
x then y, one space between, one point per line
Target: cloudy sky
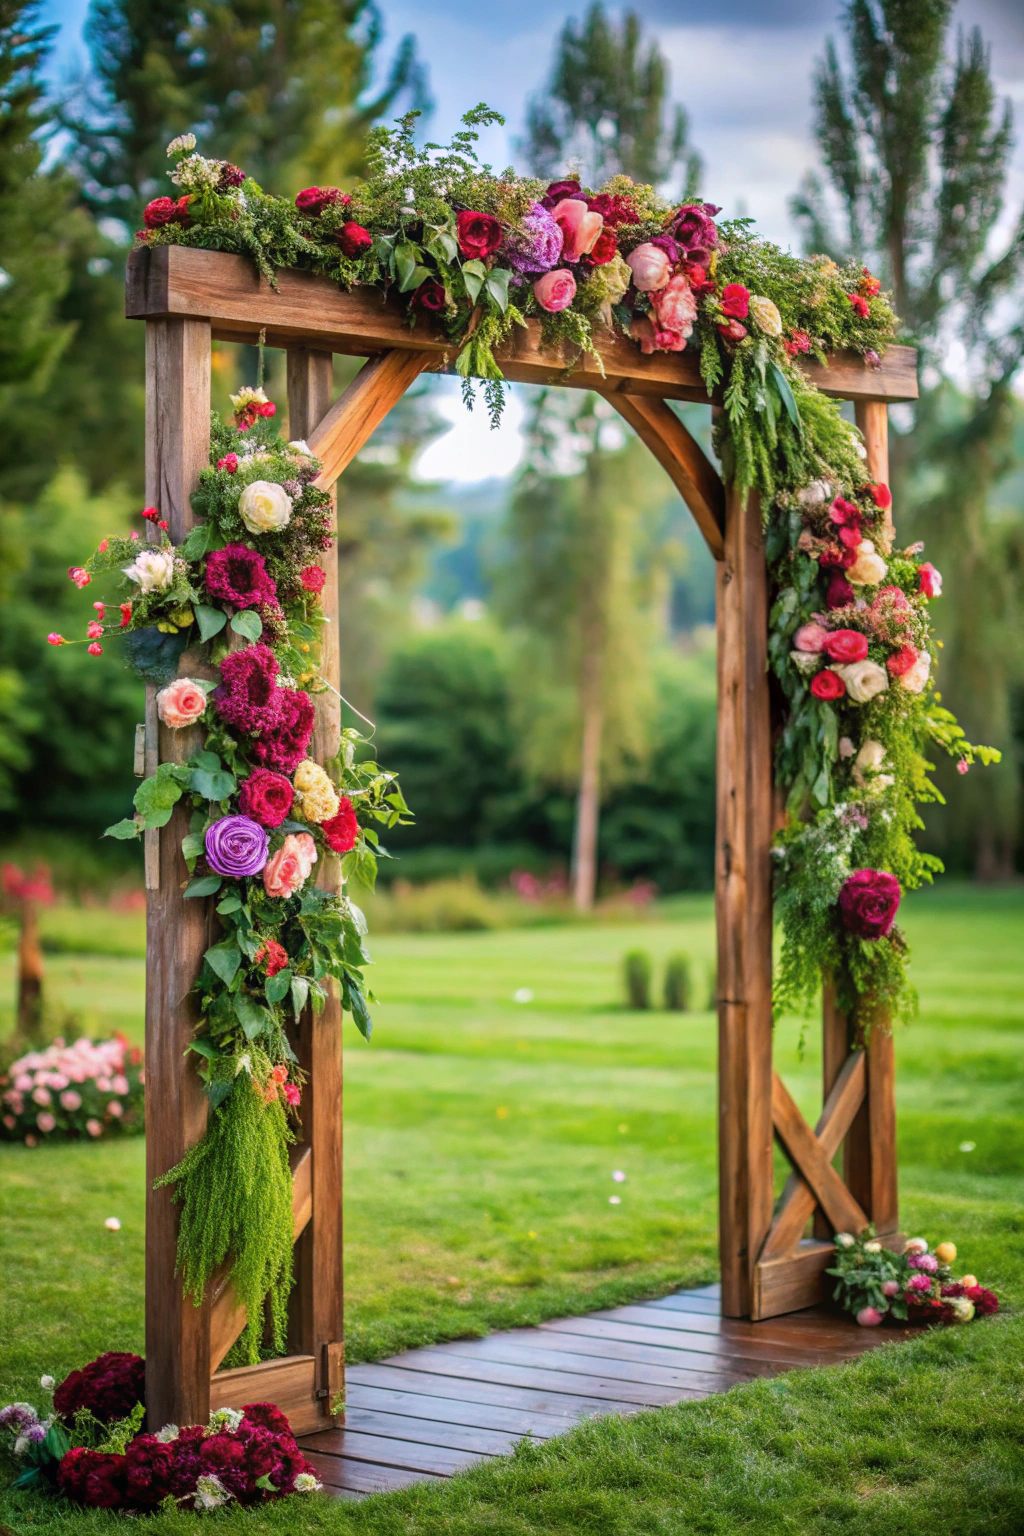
742 69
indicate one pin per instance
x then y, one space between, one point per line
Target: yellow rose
765 315
265 507
946 1253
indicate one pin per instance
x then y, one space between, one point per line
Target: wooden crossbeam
678 452
360 409
808 1156
799 1196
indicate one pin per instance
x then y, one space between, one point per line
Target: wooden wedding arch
190 297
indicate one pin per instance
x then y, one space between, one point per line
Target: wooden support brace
360 409
811 1154
678 452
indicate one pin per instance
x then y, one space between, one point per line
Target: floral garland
263 815
91 1450
916 1286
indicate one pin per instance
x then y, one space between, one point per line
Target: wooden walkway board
432 1412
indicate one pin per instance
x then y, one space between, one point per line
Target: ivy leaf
157 796
224 960
497 286
277 987
213 786
210 620
474 274
204 885
123 830
253 1017
300 994
248 624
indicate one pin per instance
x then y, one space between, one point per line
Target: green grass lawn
481 1136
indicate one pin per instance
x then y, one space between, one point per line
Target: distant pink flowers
84 1088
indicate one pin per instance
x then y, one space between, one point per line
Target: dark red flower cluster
266 797
257 1462
248 695
275 957
284 744
239 575
570 187
313 578
230 176
166 210
109 1387
341 831
614 208
313 200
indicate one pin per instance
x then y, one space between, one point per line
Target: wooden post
743 904
316 1312
177 931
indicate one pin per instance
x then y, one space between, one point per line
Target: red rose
162 210
182 207
313 200
846 645
353 239
605 248
799 342
699 280
313 578
985 1302
430 296
733 330
266 797
559 189
479 234
735 301
929 580
844 513
832 555
859 306
869 902
902 660
273 955
342 829
827 685
840 593
880 495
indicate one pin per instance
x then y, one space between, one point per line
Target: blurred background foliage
537 654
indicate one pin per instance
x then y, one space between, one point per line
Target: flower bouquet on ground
87 1089
915 1286
89 1447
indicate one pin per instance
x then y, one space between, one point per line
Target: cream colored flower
316 795
915 679
765 315
962 1307
869 568
265 507
869 760
805 661
816 493
182 144
608 283
152 569
305 1482
247 395
196 174
863 679
873 1247
300 449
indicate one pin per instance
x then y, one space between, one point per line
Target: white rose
869 568
765 315
915 1245
872 1247
805 661
868 761
301 449
863 679
265 507
152 569
915 679
844 1240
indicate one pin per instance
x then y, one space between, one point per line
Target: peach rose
287 871
555 290
915 678
869 568
675 306
180 703
653 339
650 267
580 227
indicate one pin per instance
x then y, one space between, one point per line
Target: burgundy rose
313 200
869 902
840 593
673 250
161 211
430 296
479 234
342 830
266 797
694 228
283 745
559 189
239 575
109 1387
846 645
353 239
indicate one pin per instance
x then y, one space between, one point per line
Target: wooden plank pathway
431 1412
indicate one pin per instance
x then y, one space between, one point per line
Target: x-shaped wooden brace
814 1181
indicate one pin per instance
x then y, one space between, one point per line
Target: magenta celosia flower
239 575
248 697
282 745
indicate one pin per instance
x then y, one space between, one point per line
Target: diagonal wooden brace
812 1153
360 409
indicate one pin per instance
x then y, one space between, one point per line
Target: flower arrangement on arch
91 1447
874 1282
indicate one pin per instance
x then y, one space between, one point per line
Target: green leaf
160 792
219 1089
203 1047
277 987
224 960
786 395
213 786
497 286
204 885
411 271
123 830
474 274
264 1482
210 620
231 903
247 623
355 1002
192 845
200 541
204 759
253 1017
300 994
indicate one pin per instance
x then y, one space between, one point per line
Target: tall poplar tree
578 544
916 148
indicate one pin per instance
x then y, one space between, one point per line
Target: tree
916 149
607 104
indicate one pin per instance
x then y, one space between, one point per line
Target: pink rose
555 290
810 637
919 1283
930 580
890 1288
289 868
580 228
94 1127
71 1100
653 339
180 703
650 267
869 1317
675 306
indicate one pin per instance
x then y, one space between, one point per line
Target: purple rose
694 229
537 245
869 902
236 845
673 250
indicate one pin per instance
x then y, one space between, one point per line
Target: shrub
636 971
678 992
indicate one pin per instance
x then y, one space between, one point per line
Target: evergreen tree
916 150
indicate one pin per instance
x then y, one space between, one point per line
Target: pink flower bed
88 1088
